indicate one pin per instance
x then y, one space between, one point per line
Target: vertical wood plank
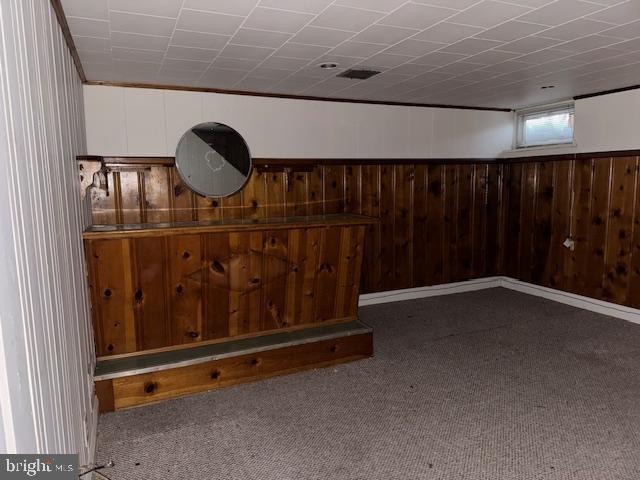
150 297
465 198
314 191
541 232
387 234
157 194
275 267
419 230
619 229
333 181
296 201
327 274
297 259
370 204
217 286
434 240
275 194
403 226
254 196
184 288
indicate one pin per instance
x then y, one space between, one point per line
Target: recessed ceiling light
328 66
547 86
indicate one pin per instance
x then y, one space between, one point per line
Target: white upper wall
146 122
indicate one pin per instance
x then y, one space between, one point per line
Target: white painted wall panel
46 344
284 128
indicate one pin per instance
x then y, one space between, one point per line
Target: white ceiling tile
188 53
438 58
475 76
619 14
384 34
310 6
134 55
471 46
186 65
560 11
412 15
357 49
414 48
411 69
285 63
184 38
160 8
447 32
260 38
379 5
596 55
208 22
546 55
235 64
169 75
458 68
588 43
277 20
630 30
628 45
221 76
234 7
511 31
86 27
575 29
386 60
270 73
92 44
251 84
529 44
144 42
95 57
297 50
96 9
321 36
342 61
489 13
456 4
142 24
345 18
491 56
245 52
506 67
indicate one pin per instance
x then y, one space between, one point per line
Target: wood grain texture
592 201
438 223
153 387
161 291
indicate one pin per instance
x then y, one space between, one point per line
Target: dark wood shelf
135 230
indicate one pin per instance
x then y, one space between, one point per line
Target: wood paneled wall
592 201
439 222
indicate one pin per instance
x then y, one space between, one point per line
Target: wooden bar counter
167 286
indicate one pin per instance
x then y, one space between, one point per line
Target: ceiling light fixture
328 66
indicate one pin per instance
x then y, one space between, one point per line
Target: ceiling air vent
360 74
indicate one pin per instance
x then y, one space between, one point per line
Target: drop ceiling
484 53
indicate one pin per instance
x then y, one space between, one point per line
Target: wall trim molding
64 26
579 301
430 291
122 161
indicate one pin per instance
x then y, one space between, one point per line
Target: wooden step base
160 378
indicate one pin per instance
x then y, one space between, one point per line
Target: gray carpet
483 385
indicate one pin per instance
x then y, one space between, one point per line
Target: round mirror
213 159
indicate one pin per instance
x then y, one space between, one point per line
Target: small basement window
550 125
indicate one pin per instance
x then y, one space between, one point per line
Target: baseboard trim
578 301
430 291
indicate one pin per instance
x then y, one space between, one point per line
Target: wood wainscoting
592 201
439 219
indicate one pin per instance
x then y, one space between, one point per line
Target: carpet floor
485 385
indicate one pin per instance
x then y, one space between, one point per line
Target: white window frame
521 114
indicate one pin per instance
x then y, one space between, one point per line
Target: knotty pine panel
439 222
168 290
590 200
